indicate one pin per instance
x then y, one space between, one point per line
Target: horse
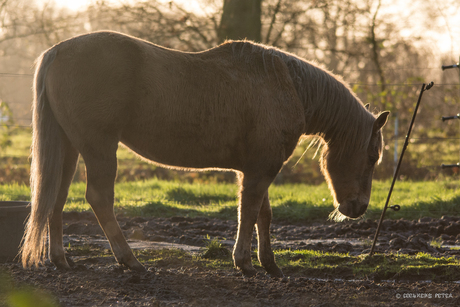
239 106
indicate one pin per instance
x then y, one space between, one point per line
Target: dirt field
98 281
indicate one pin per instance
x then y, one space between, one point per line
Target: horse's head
349 173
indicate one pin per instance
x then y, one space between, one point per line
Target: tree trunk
241 19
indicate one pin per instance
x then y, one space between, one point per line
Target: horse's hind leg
252 192
101 169
56 249
265 253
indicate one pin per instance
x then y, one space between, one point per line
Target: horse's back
93 79
197 110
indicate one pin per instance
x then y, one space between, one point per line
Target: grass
388 266
303 263
12 295
290 202
295 264
21 141
215 249
436 243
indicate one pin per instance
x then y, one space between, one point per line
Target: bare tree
27 30
241 19
168 24
358 39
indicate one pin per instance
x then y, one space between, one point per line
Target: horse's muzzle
353 208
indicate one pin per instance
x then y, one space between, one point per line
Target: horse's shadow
159 208
186 197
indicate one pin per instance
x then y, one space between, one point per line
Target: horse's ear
367 106
380 121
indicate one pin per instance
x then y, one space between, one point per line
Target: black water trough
13 216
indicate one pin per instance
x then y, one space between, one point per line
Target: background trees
382 51
241 19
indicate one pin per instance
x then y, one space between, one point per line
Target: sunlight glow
74 5
77 5
442 36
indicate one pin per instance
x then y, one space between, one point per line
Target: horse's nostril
353 208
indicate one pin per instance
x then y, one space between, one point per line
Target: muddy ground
99 281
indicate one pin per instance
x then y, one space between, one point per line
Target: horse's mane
328 101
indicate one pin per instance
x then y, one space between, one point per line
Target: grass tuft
215 250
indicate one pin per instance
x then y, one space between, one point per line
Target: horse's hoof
62 265
249 272
137 267
133 264
71 263
274 271
140 269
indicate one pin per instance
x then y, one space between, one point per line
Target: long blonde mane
332 111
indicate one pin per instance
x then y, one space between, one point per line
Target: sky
444 34
73 4
81 4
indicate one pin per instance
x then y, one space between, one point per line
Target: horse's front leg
252 193
265 253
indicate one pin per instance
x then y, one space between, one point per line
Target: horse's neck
333 112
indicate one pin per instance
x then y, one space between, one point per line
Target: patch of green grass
214 249
170 198
417 199
13 295
87 250
312 264
308 201
291 202
176 258
387 266
436 243
164 257
20 144
14 191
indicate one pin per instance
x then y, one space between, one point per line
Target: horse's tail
46 169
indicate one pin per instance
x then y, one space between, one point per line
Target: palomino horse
240 106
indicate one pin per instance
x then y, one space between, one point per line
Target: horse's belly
191 153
